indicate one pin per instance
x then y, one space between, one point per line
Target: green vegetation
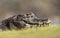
40 32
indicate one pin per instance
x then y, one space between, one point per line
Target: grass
40 32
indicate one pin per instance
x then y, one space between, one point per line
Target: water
56 22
